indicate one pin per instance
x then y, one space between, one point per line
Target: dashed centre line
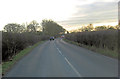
60 52
74 69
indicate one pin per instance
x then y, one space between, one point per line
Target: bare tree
33 26
14 28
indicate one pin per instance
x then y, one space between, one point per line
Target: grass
0 69
7 65
105 52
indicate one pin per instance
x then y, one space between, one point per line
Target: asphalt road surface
60 59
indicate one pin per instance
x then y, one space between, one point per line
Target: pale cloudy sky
68 13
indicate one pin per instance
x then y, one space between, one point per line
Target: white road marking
73 67
60 52
79 75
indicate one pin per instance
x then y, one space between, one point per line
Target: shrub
12 43
101 39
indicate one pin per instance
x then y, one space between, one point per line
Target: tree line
90 27
16 37
105 37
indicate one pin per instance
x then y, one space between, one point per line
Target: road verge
105 52
6 66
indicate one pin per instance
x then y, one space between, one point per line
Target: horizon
72 28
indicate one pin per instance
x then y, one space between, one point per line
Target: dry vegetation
13 43
16 37
104 39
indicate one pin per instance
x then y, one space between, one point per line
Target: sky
71 14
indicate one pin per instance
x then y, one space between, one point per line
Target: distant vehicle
52 38
63 36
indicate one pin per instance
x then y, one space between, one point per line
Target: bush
12 43
101 39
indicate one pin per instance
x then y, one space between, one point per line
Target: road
60 59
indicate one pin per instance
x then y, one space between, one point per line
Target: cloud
65 12
96 12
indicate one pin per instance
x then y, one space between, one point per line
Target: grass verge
105 52
7 65
0 71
